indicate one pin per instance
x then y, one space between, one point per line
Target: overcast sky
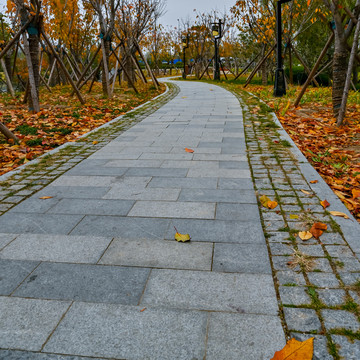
181 9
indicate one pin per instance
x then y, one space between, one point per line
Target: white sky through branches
181 9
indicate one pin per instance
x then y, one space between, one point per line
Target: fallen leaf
305 235
181 237
355 193
45 197
189 150
296 350
314 181
143 309
266 202
338 213
95 142
305 192
324 204
317 229
292 216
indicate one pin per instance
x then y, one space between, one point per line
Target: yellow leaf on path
181 237
314 181
95 142
324 204
266 202
189 150
305 192
338 213
355 193
296 350
305 235
292 216
45 197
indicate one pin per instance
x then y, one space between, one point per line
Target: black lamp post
185 44
217 34
279 87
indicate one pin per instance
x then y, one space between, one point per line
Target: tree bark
339 76
105 47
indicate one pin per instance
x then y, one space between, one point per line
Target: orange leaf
45 197
355 193
314 181
95 142
272 204
189 150
296 350
324 204
317 229
308 2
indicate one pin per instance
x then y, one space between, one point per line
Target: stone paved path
94 271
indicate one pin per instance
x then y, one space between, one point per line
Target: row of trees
76 41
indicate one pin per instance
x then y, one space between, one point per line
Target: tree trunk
339 76
263 68
105 68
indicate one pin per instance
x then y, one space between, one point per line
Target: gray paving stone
323 280
340 319
159 254
12 273
75 192
84 181
86 170
222 173
332 297
239 212
92 207
219 230
237 184
26 355
134 193
60 248
6 239
241 258
123 227
234 337
90 283
347 264
249 293
294 295
162 172
311 250
339 251
218 195
349 350
27 323
38 223
184 183
278 236
281 249
350 278
171 209
124 332
304 320
289 277
322 264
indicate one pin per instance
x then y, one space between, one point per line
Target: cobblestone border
317 281
17 185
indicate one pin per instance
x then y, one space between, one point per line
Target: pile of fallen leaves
333 151
62 119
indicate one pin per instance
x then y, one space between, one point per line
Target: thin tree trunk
33 87
341 115
105 47
7 78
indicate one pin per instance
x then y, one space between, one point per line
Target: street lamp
185 45
279 87
216 29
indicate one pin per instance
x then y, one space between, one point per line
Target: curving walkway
94 271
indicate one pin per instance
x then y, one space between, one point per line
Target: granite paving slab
159 254
126 332
90 283
6 239
243 293
27 323
60 248
13 272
